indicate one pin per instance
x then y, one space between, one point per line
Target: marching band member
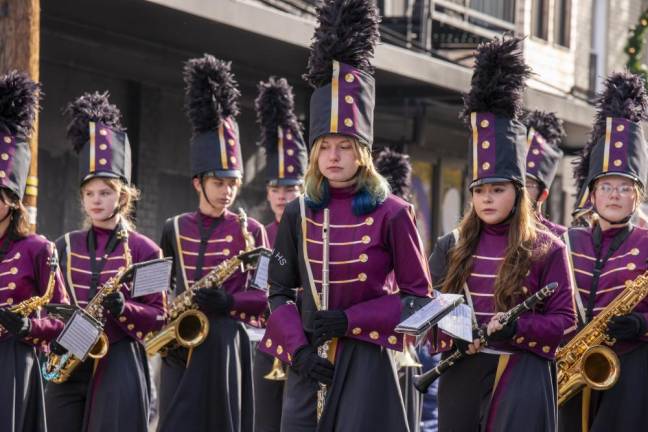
212 388
544 133
497 257
286 162
372 234
613 169
25 271
109 393
281 134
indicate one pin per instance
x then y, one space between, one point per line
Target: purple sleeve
45 329
250 304
542 332
439 341
144 314
410 264
374 321
284 333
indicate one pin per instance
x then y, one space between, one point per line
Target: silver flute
322 350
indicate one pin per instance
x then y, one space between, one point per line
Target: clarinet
423 381
323 349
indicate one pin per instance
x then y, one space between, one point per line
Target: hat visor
223 173
490 180
285 182
102 174
614 173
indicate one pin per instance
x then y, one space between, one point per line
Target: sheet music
429 314
260 278
152 278
80 334
458 323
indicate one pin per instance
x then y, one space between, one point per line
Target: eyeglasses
624 190
532 186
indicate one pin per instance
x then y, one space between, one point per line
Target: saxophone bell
100 349
277 372
599 368
189 330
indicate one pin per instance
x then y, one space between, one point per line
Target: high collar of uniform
206 219
612 232
500 229
102 232
341 193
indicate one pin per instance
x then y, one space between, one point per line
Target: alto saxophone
586 360
188 327
31 305
58 369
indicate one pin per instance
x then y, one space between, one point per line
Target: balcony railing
430 26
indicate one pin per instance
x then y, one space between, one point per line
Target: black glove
461 345
627 327
57 348
14 323
308 364
329 324
114 303
506 333
214 300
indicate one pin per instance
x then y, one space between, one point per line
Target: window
540 19
562 22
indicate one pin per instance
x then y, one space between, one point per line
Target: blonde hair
128 195
367 177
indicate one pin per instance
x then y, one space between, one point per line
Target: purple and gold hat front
345 106
287 166
621 151
542 160
106 154
218 153
498 150
15 157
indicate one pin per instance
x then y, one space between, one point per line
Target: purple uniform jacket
272 228
539 331
556 229
141 315
24 273
181 240
626 264
364 250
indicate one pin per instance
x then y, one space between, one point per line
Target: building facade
135 49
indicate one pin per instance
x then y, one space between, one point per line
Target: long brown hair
19 226
523 248
128 195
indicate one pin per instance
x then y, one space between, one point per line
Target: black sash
205 234
617 241
5 246
96 266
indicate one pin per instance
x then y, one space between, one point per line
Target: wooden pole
20 49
